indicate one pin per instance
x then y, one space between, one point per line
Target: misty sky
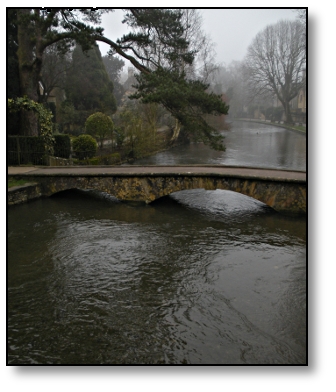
232 30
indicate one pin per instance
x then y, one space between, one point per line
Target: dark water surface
199 277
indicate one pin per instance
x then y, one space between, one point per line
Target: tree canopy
156 45
186 100
275 62
87 85
99 125
114 66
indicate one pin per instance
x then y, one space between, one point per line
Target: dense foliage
156 44
88 86
84 146
187 100
44 117
99 125
62 147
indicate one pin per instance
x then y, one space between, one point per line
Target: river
197 277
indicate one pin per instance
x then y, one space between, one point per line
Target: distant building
299 103
128 85
130 80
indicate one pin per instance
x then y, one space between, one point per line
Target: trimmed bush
99 125
62 147
84 146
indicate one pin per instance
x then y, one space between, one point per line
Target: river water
197 277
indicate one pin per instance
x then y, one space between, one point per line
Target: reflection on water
198 277
189 279
247 144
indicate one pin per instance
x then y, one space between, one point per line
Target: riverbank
23 193
267 122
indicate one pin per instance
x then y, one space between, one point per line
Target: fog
231 30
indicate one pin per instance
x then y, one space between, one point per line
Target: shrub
94 161
111 159
62 147
99 125
84 146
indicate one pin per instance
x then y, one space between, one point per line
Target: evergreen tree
114 66
88 86
187 100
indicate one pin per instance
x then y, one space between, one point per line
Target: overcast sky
232 30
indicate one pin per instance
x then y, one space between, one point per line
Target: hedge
62 147
23 150
26 150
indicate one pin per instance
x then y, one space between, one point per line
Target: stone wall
24 193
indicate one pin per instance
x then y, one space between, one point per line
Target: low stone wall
24 193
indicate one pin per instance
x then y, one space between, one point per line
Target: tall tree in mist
88 86
114 66
275 62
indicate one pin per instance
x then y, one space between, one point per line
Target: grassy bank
13 182
298 128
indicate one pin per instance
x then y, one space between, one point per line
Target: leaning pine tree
187 100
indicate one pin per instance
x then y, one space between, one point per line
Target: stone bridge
284 191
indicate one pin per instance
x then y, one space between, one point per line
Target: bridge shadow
213 204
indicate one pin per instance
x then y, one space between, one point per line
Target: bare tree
301 16
275 62
204 66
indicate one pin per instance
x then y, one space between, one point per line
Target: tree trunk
176 131
29 71
288 114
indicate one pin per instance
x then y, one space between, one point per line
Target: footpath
20 169
187 170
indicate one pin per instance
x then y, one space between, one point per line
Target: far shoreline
271 123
